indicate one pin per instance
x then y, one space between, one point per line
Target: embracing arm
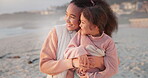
110 62
48 62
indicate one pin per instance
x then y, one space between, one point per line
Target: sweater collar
96 38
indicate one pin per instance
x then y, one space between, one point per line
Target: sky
10 6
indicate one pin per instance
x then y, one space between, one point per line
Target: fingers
93 60
81 72
86 61
83 61
96 61
91 63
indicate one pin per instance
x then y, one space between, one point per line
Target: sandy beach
19 55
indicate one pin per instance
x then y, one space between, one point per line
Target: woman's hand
81 72
81 62
96 62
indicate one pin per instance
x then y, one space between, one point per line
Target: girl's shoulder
108 38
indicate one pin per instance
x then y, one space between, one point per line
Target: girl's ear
92 27
96 27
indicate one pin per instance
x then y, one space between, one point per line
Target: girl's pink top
77 48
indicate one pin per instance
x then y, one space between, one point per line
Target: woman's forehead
73 9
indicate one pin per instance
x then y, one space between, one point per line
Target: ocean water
10 32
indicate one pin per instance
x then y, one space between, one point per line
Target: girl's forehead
82 18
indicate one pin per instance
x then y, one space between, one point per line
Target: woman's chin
69 27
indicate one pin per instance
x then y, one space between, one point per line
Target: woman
52 60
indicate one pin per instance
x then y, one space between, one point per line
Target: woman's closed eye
72 16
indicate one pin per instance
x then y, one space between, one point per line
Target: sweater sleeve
48 62
75 49
111 63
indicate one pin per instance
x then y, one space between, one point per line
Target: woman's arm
48 62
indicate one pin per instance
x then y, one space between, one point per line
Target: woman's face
72 17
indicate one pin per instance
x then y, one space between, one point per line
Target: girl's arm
111 63
48 62
74 48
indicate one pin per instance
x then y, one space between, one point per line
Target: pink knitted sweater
77 47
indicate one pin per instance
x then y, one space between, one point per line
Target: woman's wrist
75 62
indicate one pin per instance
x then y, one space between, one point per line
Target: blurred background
24 24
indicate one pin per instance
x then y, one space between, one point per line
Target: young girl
92 40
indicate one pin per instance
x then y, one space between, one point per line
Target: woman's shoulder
56 29
60 27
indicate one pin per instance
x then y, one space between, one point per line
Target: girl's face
72 17
87 28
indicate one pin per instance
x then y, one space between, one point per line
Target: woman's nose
67 19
